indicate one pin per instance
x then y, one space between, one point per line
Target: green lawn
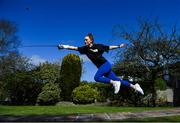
64 110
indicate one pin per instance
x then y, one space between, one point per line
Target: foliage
48 72
137 73
49 95
12 64
153 46
125 97
21 88
84 95
2 91
105 91
130 68
70 75
160 84
8 39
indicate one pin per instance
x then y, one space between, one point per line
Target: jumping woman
104 73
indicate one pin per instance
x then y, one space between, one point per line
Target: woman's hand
60 46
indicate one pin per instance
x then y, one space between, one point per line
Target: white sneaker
138 88
116 85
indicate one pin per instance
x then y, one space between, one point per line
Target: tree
22 88
153 46
135 73
11 65
70 75
174 71
8 39
15 70
8 51
129 68
8 47
14 62
48 72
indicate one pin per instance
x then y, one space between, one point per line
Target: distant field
64 110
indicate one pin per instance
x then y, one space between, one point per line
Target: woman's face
87 41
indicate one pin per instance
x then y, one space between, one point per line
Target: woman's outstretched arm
118 46
60 46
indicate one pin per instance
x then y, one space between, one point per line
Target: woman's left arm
118 46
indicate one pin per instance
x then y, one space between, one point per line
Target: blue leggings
105 74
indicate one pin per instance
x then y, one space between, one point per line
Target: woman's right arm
67 47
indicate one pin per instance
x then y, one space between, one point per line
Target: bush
50 94
160 84
70 75
21 88
84 95
105 91
48 72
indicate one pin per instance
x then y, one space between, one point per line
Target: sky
53 22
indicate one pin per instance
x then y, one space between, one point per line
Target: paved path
92 117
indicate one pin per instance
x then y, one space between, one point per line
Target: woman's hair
90 35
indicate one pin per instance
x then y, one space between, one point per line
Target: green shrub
70 75
21 88
160 84
105 91
48 72
84 95
50 94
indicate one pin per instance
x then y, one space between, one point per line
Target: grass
64 110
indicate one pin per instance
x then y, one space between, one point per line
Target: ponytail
90 35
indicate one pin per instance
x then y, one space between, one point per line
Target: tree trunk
153 90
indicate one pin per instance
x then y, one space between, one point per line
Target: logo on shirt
94 50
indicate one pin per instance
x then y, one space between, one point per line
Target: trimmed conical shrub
70 75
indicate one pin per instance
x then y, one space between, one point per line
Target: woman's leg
136 87
113 76
102 70
105 75
100 76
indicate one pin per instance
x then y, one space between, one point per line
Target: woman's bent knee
96 78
